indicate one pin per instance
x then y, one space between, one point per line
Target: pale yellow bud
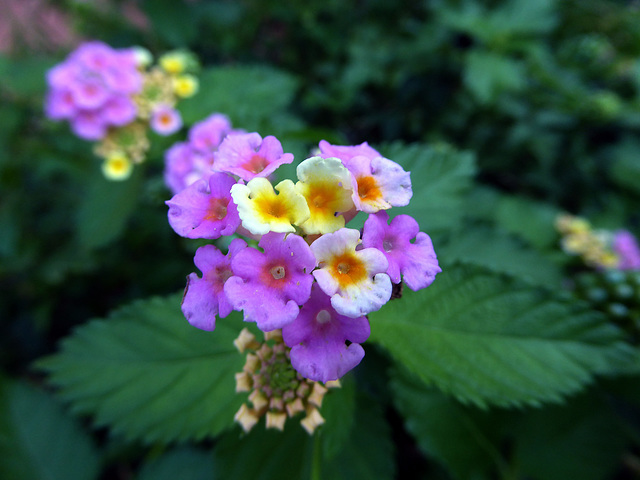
252 363
294 407
246 417
333 384
276 420
244 382
312 421
317 394
258 399
273 335
245 340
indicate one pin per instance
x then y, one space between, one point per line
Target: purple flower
119 111
626 248
249 155
416 261
205 209
206 136
318 337
269 286
60 105
88 124
204 298
183 166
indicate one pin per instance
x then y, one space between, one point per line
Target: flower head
204 298
261 210
354 279
416 261
248 155
207 135
347 152
317 339
269 286
326 185
165 120
185 86
204 209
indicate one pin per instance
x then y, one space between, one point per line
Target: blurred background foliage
507 112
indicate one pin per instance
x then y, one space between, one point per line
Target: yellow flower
174 62
326 185
117 166
185 85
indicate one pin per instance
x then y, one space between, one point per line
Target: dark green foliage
506 112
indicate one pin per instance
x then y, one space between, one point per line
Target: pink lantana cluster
113 96
310 276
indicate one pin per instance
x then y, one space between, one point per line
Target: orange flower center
368 188
348 269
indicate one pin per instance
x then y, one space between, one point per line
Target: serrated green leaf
255 98
464 439
488 339
38 441
106 208
500 252
149 375
180 464
272 455
440 177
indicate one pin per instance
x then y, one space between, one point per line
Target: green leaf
38 441
183 464
440 177
531 220
583 439
488 75
149 375
464 439
270 454
338 410
500 252
626 168
488 339
173 20
103 215
255 98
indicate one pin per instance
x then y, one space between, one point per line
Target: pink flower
626 247
165 120
409 251
270 286
205 209
249 155
204 298
318 337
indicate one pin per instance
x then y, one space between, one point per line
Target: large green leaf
269 454
39 441
181 464
440 177
487 339
149 375
500 252
108 205
255 98
464 439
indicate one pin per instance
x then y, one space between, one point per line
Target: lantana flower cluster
300 268
114 96
598 248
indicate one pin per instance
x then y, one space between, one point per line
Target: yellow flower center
348 269
368 189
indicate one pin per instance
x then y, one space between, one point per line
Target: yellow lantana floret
174 63
117 166
185 85
325 183
262 210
